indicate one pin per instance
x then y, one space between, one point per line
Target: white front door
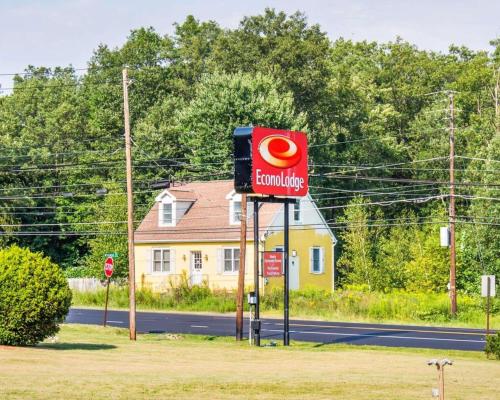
196 266
294 272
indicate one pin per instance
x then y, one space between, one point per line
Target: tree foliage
376 115
34 299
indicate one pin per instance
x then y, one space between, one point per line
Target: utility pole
496 99
130 208
453 287
241 270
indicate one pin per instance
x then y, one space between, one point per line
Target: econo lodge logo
279 162
279 151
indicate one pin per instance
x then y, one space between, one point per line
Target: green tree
356 263
111 237
223 102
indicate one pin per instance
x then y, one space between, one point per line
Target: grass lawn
89 362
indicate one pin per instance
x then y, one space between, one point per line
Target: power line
403 180
478 159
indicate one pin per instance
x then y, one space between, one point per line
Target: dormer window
236 212
173 205
166 215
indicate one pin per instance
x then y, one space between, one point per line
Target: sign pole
286 325
488 307
106 304
256 271
109 266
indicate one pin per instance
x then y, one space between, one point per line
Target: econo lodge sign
270 162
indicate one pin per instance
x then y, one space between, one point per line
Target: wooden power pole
130 208
241 270
453 287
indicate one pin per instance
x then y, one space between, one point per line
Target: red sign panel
279 162
273 263
108 267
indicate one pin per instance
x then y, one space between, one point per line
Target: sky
65 32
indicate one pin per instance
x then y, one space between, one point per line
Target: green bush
34 297
493 346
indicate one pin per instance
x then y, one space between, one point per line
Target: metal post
241 270
256 271
106 304
488 307
130 209
286 325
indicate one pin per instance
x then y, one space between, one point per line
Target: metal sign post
488 307
256 321
286 315
108 271
488 290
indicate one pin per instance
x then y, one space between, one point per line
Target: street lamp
440 369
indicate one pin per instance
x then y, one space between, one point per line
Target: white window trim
224 272
161 249
236 197
231 212
321 260
167 200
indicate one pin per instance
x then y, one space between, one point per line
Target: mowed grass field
88 362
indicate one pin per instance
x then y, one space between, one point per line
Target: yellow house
194 230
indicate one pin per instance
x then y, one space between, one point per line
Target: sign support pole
286 325
256 271
106 304
488 307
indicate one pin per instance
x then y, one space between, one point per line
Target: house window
317 261
197 260
296 211
236 215
161 260
167 214
231 260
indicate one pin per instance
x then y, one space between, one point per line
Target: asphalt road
303 330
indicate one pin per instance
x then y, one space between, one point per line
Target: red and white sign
108 267
272 263
279 162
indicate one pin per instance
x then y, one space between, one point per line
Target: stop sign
108 267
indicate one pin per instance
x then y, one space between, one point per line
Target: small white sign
444 236
484 285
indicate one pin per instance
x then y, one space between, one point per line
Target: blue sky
58 32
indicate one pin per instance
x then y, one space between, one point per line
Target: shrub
34 297
493 346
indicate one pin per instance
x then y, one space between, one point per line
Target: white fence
85 284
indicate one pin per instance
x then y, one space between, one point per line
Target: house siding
302 244
211 271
